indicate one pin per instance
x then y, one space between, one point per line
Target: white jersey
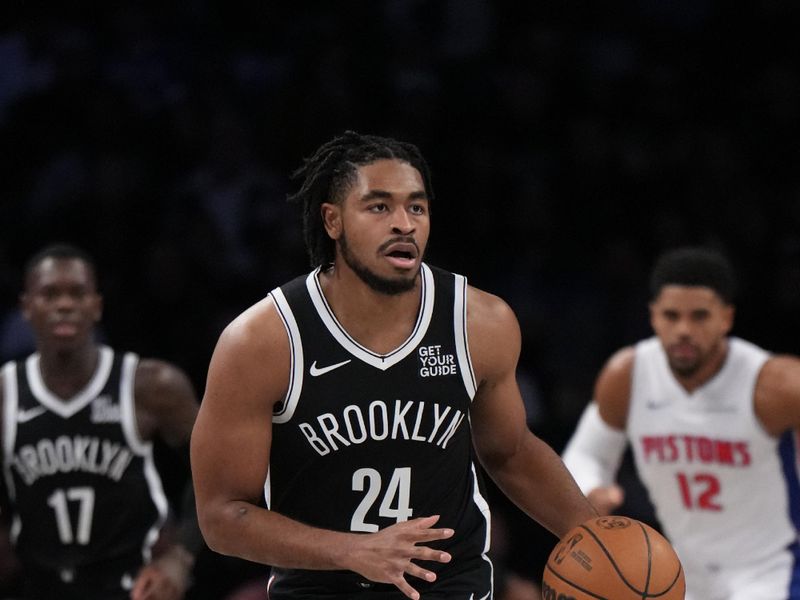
725 491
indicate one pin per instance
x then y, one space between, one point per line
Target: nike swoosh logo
317 371
24 416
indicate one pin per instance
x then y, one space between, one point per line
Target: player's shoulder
783 364
258 335
780 373
157 372
493 332
620 363
159 381
777 394
255 325
255 338
612 390
489 310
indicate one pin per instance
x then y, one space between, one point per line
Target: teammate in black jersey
86 503
353 396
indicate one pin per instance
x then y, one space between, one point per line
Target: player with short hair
79 419
712 421
356 394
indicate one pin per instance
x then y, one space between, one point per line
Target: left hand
606 499
166 578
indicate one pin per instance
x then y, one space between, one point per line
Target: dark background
568 146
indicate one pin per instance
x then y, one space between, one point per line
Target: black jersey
87 502
364 440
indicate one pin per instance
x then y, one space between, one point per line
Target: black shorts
465 581
95 582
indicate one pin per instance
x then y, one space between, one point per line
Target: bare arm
594 453
777 394
525 468
166 407
230 453
166 403
612 390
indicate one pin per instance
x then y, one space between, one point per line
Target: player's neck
66 372
378 321
707 371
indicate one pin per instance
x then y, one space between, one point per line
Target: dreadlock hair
58 251
694 266
331 170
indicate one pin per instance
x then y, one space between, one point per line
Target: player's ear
332 219
728 314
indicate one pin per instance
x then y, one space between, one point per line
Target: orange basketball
613 558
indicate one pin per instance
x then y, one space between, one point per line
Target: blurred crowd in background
568 147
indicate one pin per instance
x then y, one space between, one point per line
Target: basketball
613 558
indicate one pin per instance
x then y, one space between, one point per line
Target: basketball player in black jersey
353 398
85 502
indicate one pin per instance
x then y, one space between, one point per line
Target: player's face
382 225
692 323
61 302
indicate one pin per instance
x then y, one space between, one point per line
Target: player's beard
382 285
684 370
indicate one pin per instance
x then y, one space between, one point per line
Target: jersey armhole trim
284 414
10 407
143 449
461 337
127 402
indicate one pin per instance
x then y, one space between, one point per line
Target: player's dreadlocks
328 174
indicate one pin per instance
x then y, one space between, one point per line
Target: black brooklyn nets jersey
363 440
82 483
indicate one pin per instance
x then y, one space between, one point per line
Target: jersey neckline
68 407
340 334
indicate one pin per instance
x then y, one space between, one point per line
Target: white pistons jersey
725 492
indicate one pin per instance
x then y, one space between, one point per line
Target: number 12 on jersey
699 491
395 500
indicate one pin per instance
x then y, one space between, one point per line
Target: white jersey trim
379 361
461 337
483 506
10 407
296 355
128 405
143 449
66 408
